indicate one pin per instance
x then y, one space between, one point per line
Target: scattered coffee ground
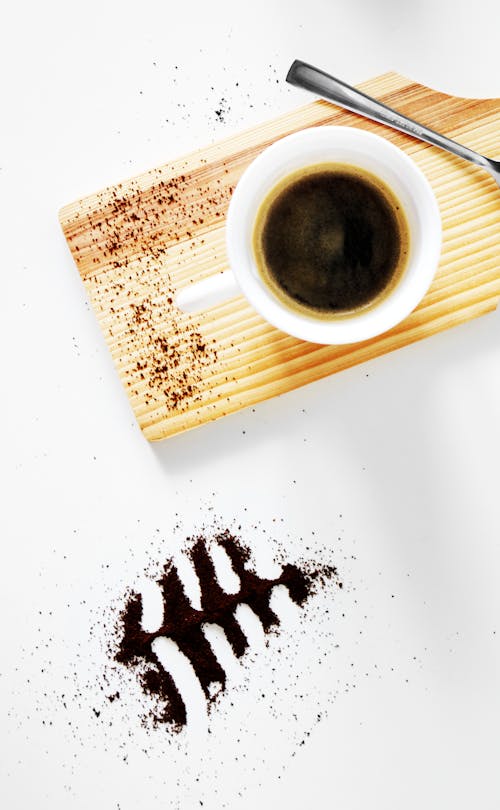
134 242
222 111
126 242
183 624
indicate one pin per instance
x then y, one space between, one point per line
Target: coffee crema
331 240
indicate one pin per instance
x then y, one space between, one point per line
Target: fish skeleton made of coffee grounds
183 624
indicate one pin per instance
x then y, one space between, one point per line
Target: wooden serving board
136 244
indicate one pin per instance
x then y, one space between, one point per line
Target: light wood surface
136 244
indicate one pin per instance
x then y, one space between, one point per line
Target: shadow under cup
373 155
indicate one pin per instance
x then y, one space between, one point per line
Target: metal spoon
317 81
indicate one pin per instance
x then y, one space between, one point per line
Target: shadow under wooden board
139 242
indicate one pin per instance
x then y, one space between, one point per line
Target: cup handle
208 292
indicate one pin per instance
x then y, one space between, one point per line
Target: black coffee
331 239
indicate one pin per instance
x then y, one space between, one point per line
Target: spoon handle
317 81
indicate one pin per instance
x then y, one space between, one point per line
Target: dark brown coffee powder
183 624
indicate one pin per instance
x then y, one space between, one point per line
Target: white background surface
393 465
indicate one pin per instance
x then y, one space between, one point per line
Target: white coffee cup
309 147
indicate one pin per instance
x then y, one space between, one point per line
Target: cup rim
382 153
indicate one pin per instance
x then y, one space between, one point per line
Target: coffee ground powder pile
183 624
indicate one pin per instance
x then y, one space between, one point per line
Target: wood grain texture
136 244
